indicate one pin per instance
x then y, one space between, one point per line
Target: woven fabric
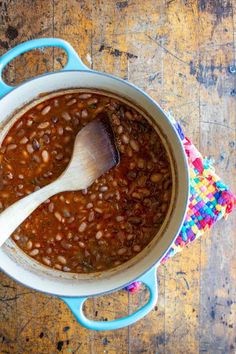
210 200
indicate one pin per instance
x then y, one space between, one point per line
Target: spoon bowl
94 153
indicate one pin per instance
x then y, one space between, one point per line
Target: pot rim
185 173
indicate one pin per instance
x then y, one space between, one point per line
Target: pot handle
73 60
76 306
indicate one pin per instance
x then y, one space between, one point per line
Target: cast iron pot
74 289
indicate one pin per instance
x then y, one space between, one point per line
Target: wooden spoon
94 154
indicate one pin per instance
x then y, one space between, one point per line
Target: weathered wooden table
179 51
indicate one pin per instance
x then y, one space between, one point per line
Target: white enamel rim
32 274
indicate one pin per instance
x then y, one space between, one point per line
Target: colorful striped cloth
210 200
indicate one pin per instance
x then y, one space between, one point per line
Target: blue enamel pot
74 289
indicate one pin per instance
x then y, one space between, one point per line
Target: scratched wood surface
180 53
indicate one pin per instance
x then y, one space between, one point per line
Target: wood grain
179 52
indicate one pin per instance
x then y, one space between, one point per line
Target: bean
128 115
129 237
137 248
60 130
154 157
58 216
66 213
67 139
35 144
150 165
8 140
115 119
62 260
46 139
129 152
71 102
91 216
120 218
132 165
11 147
59 156
43 125
125 138
76 120
122 251
34 252
156 177
84 113
118 195
66 269
21 132
45 110
45 156
98 110
56 103
66 245
24 140
93 196
166 196
71 219
38 245
66 116
131 175
164 207
136 220
36 158
51 207
99 235
98 210
29 123
136 195
58 266
89 205
16 237
85 96
81 244
103 189
82 227
32 135
9 175
134 144
122 149
120 129
92 101
116 263
167 184
144 191
68 129
46 260
29 245
54 119
141 163
141 181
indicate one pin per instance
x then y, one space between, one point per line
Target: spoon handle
13 216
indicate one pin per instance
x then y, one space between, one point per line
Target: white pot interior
29 272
